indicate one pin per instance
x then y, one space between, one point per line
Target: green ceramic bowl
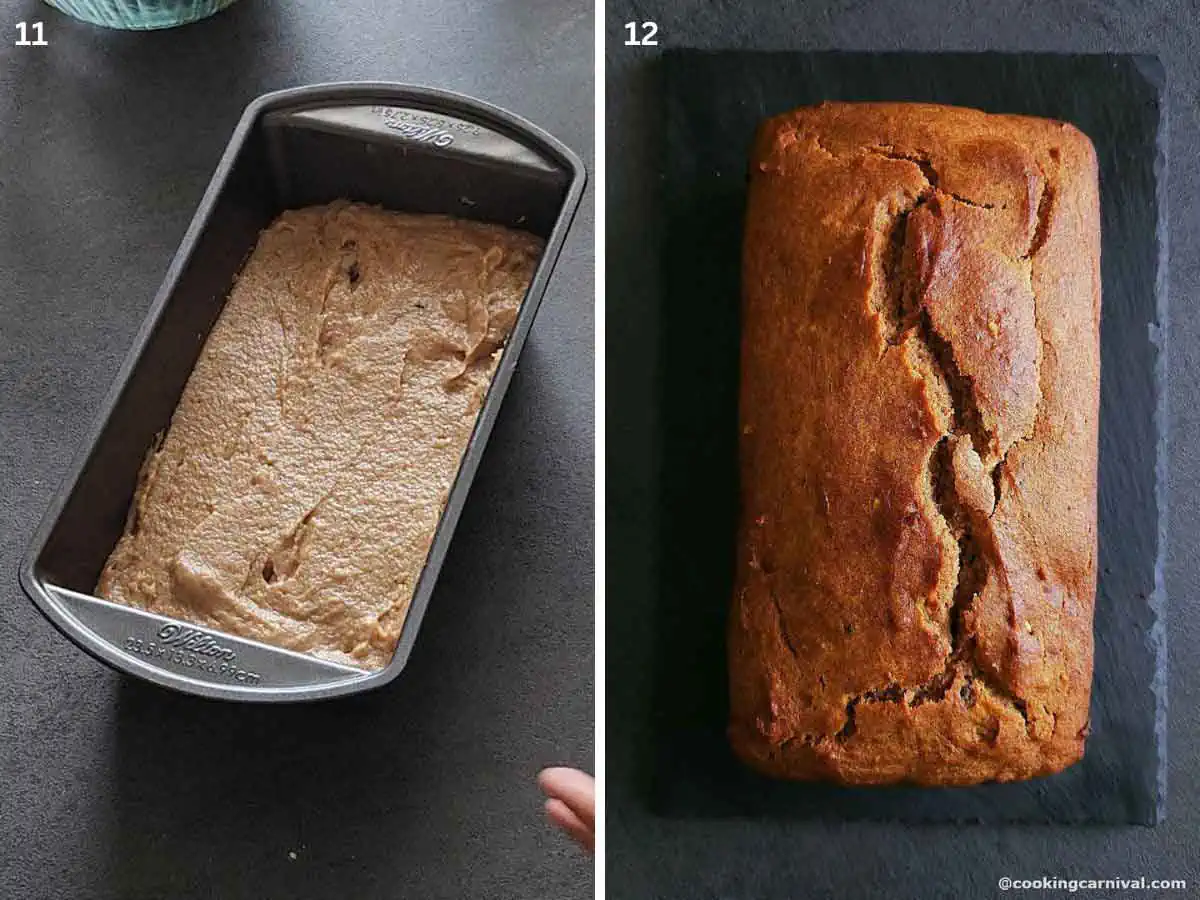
140 14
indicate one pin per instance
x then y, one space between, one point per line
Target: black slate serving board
711 104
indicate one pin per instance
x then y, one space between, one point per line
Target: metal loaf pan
406 148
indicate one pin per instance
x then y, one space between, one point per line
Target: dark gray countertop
656 856
425 789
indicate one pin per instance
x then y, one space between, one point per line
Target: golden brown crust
295 495
919 407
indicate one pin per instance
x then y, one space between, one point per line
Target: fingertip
551 777
563 818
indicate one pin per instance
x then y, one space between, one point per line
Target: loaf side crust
919 404
296 493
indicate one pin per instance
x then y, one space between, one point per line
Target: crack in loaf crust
296 493
920 387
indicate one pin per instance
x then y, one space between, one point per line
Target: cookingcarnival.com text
1076 885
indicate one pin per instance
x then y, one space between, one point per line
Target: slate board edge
1152 69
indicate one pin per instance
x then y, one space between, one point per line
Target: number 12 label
641 34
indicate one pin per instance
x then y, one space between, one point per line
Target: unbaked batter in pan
296 493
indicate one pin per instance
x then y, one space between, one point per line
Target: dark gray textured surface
654 856
109 788
711 104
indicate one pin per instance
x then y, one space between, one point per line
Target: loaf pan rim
343 93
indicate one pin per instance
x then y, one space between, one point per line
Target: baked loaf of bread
919 403
296 493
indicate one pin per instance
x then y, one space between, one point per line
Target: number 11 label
28 30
